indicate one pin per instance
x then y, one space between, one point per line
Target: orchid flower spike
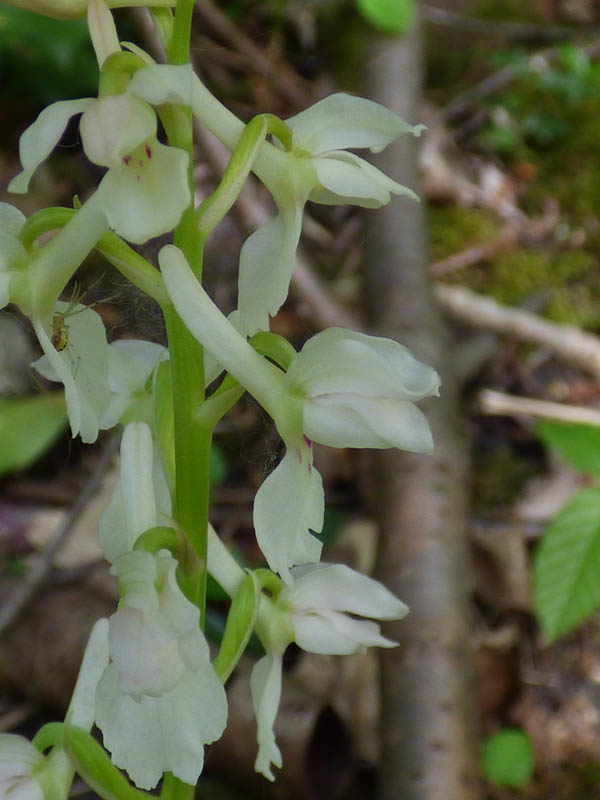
159 701
118 132
317 611
318 167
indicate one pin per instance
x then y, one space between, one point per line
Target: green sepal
240 624
274 346
164 419
96 768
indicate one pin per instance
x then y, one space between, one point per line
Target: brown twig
500 28
566 341
277 74
501 404
36 576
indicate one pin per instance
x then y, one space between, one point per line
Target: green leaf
577 444
389 16
29 426
239 626
507 757
566 567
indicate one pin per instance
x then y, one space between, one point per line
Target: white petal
287 506
82 366
329 632
341 121
132 509
347 185
136 476
130 366
42 136
266 264
347 179
18 757
134 193
338 588
114 126
346 420
11 219
339 360
265 686
164 83
82 708
161 734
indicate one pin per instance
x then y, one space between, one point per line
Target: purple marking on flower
141 163
126 160
307 440
299 455
309 468
148 151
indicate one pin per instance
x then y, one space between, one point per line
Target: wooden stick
566 341
501 404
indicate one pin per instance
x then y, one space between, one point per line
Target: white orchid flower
76 353
318 167
344 389
159 701
315 612
118 132
131 363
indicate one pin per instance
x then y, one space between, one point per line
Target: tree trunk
429 719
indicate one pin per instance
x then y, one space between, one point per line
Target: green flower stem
192 442
179 46
129 263
192 445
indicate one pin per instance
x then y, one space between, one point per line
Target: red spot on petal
310 469
307 440
148 151
126 160
141 163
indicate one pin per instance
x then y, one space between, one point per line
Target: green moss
454 228
499 476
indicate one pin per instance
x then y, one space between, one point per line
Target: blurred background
494 542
